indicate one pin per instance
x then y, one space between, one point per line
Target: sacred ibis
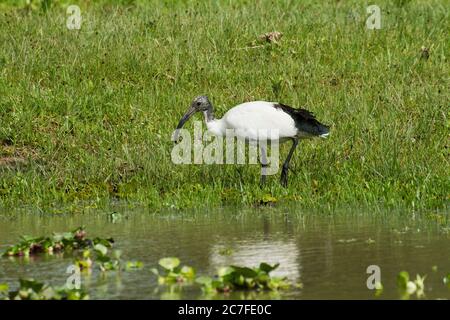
250 118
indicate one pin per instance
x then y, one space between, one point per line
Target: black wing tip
324 129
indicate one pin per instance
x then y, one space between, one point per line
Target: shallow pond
327 253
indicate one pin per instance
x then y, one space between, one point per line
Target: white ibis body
250 120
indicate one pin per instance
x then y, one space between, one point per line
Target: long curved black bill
183 120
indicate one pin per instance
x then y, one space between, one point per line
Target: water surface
327 253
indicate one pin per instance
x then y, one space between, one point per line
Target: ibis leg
264 165
284 171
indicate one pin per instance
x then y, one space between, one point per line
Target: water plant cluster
105 260
410 286
30 289
235 278
58 242
97 251
94 251
169 271
228 278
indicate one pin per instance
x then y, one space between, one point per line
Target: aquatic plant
4 291
104 261
30 289
75 240
133 265
409 287
171 271
447 280
243 278
58 242
378 289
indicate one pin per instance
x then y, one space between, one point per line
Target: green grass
86 116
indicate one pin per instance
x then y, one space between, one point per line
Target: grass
86 116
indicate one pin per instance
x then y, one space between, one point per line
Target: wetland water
327 253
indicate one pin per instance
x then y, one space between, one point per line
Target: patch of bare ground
12 157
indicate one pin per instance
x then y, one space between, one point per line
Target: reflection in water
328 254
252 253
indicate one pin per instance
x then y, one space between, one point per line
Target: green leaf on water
154 271
447 280
101 249
188 272
378 286
206 281
225 271
117 254
402 279
106 242
172 272
31 284
244 278
4 287
267 268
169 263
30 289
378 289
86 253
133 265
420 282
245 272
27 238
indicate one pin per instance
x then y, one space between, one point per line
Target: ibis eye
198 103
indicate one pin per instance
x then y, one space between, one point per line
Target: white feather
254 121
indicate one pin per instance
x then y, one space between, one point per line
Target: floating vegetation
231 278
243 278
104 261
172 272
378 289
409 287
75 240
58 242
84 263
133 265
29 289
447 280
